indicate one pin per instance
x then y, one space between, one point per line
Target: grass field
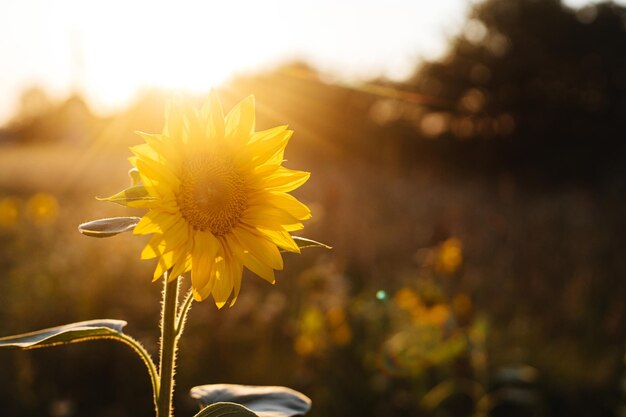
431 279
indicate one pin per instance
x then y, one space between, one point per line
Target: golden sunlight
183 49
108 52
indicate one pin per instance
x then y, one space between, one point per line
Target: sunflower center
212 194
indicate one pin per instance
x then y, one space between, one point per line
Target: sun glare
189 49
109 51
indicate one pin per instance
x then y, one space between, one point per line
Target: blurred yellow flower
218 197
407 300
42 208
450 256
9 211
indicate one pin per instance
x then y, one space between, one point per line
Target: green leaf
226 409
81 332
136 192
303 242
264 401
108 227
69 333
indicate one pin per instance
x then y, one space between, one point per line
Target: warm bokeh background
476 211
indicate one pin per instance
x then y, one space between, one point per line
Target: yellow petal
214 115
293 227
281 179
260 247
153 186
239 123
200 294
167 261
234 268
280 201
152 138
258 267
151 250
162 146
193 133
202 271
281 239
155 222
290 204
174 122
269 217
166 204
270 147
173 238
223 284
158 173
145 151
267 134
180 266
250 262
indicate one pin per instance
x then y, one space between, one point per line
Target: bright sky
108 50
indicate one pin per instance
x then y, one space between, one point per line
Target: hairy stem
182 314
169 341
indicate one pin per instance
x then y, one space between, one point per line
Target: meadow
444 291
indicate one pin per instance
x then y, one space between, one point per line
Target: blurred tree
545 83
34 102
41 120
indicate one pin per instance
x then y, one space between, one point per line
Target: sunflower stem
182 314
169 342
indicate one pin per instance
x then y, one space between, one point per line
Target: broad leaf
108 227
264 401
226 409
70 333
81 332
130 195
303 242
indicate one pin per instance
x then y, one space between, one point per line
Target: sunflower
217 195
